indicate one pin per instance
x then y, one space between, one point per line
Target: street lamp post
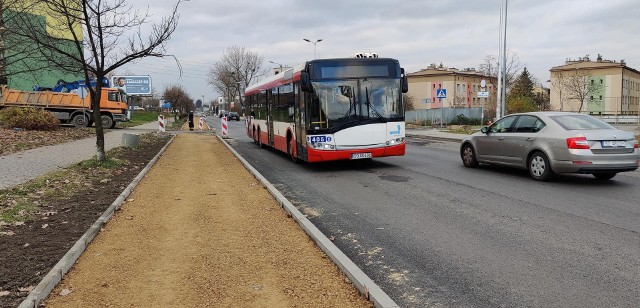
314 45
279 65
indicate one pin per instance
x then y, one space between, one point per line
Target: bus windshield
338 104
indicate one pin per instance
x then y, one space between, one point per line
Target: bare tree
180 100
490 67
237 69
579 85
558 86
459 101
104 35
409 102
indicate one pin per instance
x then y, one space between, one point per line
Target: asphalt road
433 233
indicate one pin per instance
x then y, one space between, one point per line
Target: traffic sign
82 91
441 93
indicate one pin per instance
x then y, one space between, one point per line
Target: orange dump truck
69 108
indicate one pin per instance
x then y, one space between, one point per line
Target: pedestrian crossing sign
441 93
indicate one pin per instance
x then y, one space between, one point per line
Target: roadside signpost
161 124
440 94
225 128
82 90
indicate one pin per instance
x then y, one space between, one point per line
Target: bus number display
315 139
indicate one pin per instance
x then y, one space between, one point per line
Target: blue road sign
441 93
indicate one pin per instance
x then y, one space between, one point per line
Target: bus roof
293 74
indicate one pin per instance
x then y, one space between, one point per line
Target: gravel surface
200 231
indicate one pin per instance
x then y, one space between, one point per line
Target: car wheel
469 156
539 167
604 175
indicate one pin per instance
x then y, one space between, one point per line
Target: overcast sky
458 33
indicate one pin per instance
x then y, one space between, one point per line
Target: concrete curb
364 284
55 275
408 135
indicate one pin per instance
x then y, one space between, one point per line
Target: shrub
461 119
28 118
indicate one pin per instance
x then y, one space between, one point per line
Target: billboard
133 85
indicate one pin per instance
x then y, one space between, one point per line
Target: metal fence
442 115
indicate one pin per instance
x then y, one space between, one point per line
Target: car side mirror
485 130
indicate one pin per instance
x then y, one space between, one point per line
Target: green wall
40 73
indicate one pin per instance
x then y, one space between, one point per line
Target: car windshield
337 103
580 122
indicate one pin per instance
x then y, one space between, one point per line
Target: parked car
223 114
233 116
547 143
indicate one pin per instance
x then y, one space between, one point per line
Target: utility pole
314 46
502 55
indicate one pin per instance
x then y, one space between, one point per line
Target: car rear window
580 122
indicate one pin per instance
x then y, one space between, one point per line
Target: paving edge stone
357 277
55 275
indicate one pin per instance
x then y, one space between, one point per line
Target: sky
456 33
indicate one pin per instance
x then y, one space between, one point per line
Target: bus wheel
290 146
255 138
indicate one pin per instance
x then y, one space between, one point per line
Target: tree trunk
97 119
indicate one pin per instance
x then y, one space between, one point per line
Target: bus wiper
346 116
369 105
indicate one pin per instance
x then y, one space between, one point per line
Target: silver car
547 143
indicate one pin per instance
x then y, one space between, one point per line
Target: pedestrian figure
191 120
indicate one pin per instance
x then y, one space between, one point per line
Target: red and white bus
331 109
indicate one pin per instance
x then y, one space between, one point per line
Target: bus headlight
395 141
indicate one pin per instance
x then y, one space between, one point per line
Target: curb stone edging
357 277
55 275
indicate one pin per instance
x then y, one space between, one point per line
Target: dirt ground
29 249
200 231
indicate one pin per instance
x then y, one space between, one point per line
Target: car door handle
529 139
500 138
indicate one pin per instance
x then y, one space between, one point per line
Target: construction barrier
201 124
161 123
225 128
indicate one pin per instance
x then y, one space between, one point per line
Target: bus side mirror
305 84
405 82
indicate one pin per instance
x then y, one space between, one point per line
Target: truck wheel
80 120
107 121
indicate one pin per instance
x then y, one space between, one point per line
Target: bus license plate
360 155
614 143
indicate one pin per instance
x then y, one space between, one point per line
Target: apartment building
601 87
21 65
464 88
